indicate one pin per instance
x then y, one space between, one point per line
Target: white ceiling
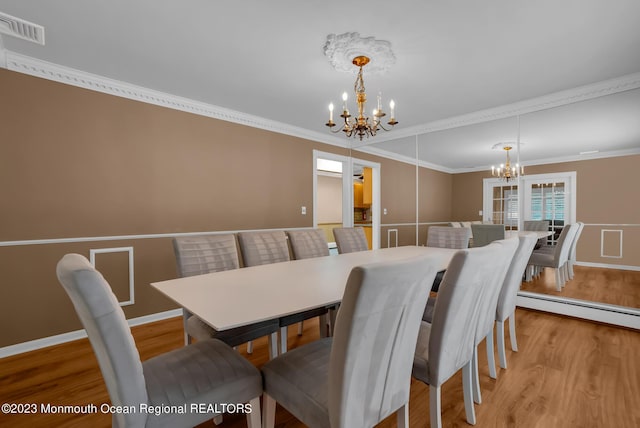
464 69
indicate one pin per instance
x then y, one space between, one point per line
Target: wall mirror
604 196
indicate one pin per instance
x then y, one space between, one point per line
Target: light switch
480 213
304 210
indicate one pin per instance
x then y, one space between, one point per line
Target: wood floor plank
611 286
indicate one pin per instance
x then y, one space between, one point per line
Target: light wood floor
568 373
612 286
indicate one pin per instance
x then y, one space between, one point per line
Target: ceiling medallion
506 171
341 49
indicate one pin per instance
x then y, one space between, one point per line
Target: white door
501 203
549 197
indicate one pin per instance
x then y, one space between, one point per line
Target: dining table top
248 295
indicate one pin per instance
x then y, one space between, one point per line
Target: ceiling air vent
22 29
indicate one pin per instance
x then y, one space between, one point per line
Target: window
549 197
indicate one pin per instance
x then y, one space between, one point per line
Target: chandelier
505 171
361 125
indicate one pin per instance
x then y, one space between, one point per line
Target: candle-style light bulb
331 112
344 101
379 100
392 106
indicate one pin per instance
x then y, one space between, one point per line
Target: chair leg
333 314
283 339
502 356
467 386
185 317
300 327
571 273
253 418
268 411
512 331
477 396
558 280
273 345
435 405
491 358
323 324
403 416
250 347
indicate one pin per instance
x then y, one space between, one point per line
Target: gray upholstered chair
198 255
558 256
507 299
447 344
307 244
265 247
487 314
536 225
362 374
484 234
350 239
448 237
572 250
205 372
262 248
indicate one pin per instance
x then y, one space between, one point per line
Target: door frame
347 190
524 183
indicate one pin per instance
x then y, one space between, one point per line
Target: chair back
507 298
306 244
197 255
109 334
448 237
484 234
350 239
574 243
261 248
536 225
563 246
375 339
451 339
489 301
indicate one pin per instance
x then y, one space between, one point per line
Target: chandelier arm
382 127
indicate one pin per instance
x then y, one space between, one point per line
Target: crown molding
3 54
50 71
401 158
563 159
556 99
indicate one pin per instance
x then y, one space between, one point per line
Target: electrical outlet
304 210
384 211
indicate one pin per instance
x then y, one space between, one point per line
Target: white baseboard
609 314
32 345
608 266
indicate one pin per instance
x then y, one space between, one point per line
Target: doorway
337 181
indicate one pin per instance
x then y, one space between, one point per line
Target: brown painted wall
607 193
76 163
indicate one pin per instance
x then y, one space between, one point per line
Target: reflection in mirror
599 140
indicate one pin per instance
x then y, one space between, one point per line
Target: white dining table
245 296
